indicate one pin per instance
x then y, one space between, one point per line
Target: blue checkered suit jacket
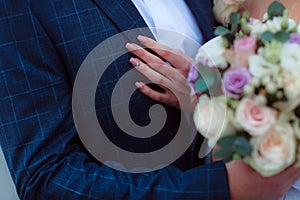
42 44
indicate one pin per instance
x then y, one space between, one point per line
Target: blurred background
7 189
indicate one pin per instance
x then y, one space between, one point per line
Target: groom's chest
77 27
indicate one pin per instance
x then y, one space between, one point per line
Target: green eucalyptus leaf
225 153
208 79
234 20
220 30
200 85
275 9
233 147
282 36
227 141
242 146
267 36
225 24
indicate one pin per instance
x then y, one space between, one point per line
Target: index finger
153 61
177 58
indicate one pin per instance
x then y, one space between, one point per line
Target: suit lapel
125 17
202 11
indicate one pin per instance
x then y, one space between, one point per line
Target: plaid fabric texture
42 44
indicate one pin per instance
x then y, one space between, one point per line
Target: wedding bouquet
251 107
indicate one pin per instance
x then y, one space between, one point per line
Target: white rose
213 119
256 119
211 53
274 25
257 28
274 151
291 85
260 67
290 58
289 117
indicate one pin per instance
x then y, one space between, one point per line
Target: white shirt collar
164 17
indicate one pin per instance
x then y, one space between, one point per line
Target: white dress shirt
165 16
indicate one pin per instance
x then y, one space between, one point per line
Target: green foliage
275 9
220 30
234 21
233 147
207 79
267 36
229 30
281 36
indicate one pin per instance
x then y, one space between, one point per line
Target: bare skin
172 79
257 8
244 182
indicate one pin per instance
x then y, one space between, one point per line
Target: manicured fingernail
168 63
139 85
131 47
142 39
134 62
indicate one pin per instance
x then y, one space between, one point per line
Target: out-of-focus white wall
7 188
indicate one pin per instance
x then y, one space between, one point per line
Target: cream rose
213 119
291 85
254 118
275 24
211 53
259 67
257 27
290 58
274 151
223 8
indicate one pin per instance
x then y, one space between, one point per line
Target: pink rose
254 118
234 59
245 46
